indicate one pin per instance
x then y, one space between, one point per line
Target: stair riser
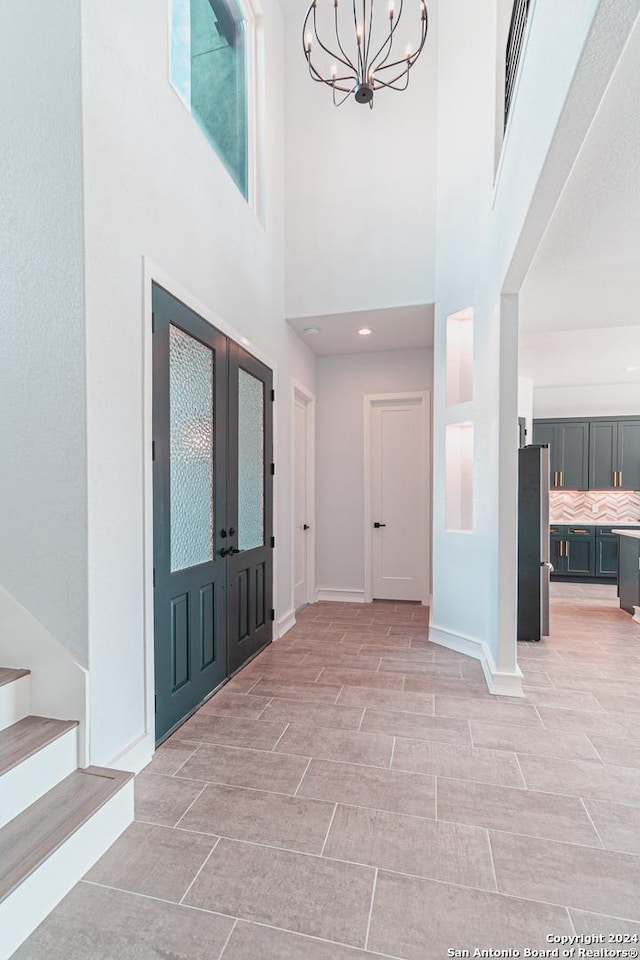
31 779
14 702
33 900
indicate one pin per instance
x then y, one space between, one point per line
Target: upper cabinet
569 443
614 455
592 454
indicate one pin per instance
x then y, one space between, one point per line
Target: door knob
305 526
378 525
232 531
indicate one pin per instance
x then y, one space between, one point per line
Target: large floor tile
416 726
154 861
419 668
397 652
169 757
580 778
620 753
314 714
296 690
95 923
312 895
566 699
583 721
245 768
449 687
239 813
464 709
630 706
362 678
387 699
234 705
326 744
582 877
539 742
618 825
280 671
515 810
422 919
458 761
424 848
163 800
233 731
251 941
594 923
393 790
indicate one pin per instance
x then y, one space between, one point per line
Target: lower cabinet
607 557
584 553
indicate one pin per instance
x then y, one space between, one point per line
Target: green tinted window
208 70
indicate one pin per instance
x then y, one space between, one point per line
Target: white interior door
301 504
399 498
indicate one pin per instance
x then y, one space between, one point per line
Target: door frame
139 753
370 400
300 393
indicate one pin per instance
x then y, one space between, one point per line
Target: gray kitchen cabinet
569 444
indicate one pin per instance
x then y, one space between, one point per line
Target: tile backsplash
594 506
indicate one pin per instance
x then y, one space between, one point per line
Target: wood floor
355 792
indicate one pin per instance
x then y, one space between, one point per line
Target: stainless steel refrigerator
534 567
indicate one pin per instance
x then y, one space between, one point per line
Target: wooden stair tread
7 675
36 833
24 738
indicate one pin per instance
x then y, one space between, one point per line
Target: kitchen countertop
627 533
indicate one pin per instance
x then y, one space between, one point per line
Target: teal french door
213 508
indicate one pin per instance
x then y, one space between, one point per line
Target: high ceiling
580 304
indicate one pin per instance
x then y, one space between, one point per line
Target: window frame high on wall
251 13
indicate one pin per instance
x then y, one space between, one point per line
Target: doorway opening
212 508
303 553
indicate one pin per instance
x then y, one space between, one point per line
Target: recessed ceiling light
312 330
366 331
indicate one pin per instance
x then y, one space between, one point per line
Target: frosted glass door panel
250 461
191 450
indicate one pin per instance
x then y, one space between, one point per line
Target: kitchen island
629 569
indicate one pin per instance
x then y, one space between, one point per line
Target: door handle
305 526
378 525
229 551
232 530
562 478
619 478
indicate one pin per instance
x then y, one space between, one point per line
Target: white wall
42 345
360 189
590 400
525 404
342 382
155 188
486 239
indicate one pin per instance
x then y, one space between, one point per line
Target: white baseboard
499 683
136 756
24 909
284 624
340 596
32 778
636 614
14 701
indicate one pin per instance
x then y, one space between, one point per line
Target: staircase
56 820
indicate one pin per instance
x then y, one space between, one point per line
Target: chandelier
364 55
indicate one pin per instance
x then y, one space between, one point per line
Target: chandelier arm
390 84
346 62
368 46
315 74
338 103
388 41
408 60
359 45
346 57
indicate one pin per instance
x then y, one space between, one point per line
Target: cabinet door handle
566 548
619 478
615 478
562 478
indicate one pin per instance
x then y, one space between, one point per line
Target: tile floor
355 792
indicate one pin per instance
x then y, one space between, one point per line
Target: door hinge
273 542
154 576
273 469
153 449
273 396
155 703
272 614
153 323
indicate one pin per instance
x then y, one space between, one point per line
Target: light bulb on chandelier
362 53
